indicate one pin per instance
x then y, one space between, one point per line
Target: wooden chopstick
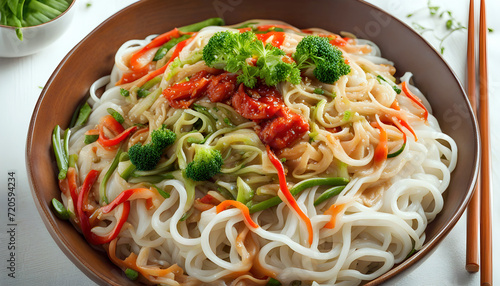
473 217
485 240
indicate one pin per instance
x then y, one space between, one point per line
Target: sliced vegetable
328 194
400 150
83 114
318 91
73 159
124 92
152 82
135 60
195 27
414 98
136 63
141 92
125 196
60 211
309 183
163 50
245 192
404 124
60 150
244 210
381 149
85 225
395 87
103 198
161 192
290 200
128 170
161 70
131 274
110 123
334 210
116 115
90 138
347 115
273 282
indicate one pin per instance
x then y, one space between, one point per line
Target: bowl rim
428 247
42 24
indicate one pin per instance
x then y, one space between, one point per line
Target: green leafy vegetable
25 13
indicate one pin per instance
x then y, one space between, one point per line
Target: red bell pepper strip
414 98
288 196
278 39
156 42
244 210
175 54
335 40
109 122
84 219
124 197
134 75
155 73
72 185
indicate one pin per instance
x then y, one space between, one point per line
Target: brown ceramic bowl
94 56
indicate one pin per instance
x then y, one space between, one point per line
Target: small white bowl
35 38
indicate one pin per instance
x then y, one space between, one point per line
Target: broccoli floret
146 157
227 50
163 137
327 60
272 68
230 51
207 162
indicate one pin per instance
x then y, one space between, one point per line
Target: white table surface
39 261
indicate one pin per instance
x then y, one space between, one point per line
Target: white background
41 262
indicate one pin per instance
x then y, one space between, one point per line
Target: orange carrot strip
404 124
288 196
334 210
381 150
414 98
175 54
395 105
244 210
92 132
131 262
161 70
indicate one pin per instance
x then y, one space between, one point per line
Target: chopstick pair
479 210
